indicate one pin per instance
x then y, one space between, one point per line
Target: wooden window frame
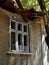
18 32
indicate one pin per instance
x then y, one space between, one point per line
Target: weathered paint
35 43
3 38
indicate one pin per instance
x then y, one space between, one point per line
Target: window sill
18 53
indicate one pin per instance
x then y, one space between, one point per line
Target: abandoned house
22 41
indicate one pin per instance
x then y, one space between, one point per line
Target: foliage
47 6
34 3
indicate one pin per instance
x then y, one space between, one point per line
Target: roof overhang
9 14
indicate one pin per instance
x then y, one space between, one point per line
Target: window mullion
23 37
16 44
28 43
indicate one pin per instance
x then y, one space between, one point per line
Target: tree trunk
22 11
42 5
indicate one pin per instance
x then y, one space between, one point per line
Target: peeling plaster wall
35 44
44 46
35 48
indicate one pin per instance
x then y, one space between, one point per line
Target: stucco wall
35 47
3 38
35 44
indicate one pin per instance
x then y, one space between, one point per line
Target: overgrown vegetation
34 3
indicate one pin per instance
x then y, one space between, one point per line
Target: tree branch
42 4
22 11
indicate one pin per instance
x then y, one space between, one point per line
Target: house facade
21 42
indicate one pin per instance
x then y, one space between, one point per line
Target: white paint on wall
44 50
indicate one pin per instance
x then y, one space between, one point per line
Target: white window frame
18 32
11 30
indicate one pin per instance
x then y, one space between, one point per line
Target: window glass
13 25
19 39
20 27
19 34
12 40
25 28
25 40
